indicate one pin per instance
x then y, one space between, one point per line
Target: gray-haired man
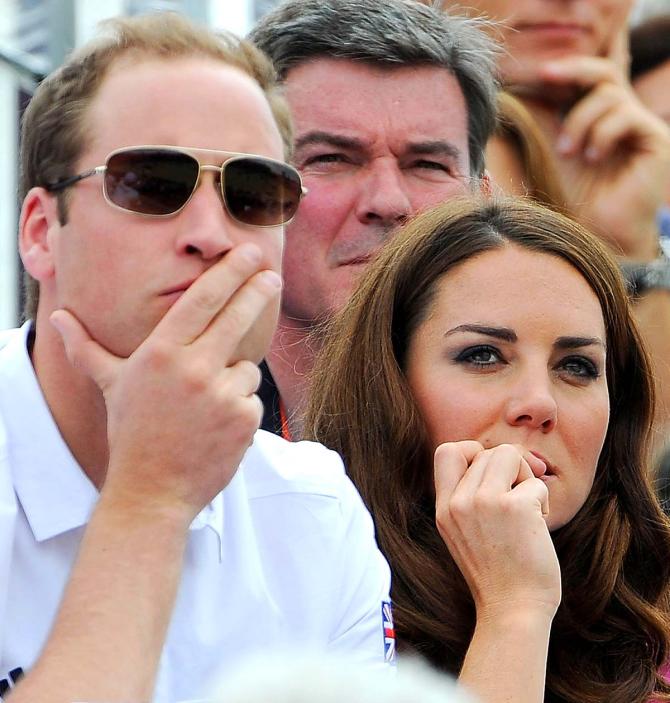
393 103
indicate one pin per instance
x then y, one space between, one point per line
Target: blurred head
154 80
535 31
393 104
57 125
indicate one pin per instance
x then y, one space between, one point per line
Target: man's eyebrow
503 333
577 342
436 147
336 140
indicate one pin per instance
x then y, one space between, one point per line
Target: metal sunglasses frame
192 152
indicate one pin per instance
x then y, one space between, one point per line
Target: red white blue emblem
389 632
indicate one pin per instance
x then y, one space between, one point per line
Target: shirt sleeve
364 628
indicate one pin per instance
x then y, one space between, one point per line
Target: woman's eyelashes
488 357
480 356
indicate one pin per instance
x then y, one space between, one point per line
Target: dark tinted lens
261 192
150 181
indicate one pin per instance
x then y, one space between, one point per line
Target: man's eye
480 356
432 165
325 159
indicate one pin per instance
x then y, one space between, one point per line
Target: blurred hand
614 157
182 409
490 511
613 153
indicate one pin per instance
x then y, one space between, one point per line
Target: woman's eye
482 356
580 367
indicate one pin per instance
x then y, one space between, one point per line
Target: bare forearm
507 658
107 639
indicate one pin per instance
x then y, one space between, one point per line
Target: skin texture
529 392
358 195
153 391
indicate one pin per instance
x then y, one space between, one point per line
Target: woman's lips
551 471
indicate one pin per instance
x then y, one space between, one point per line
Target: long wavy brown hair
611 634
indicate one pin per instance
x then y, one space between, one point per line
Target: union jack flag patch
389 632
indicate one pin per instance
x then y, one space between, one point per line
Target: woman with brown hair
489 393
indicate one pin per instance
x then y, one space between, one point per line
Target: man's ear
39 215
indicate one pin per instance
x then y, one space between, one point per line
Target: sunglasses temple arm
59 185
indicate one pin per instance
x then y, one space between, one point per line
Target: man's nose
532 403
383 198
206 228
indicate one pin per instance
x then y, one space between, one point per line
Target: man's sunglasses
160 180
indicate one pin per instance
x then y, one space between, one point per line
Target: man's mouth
179 288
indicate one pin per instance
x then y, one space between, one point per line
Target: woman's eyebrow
508 335
576 342
503 333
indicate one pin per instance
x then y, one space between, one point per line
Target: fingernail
592 154
564 144
272 278
55 322
553 69
250 252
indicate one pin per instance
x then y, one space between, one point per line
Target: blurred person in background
489 393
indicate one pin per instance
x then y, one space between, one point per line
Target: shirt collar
54 492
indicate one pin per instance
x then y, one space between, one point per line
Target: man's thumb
85 354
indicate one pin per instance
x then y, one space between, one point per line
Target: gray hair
391 33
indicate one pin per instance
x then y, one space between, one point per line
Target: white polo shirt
283 558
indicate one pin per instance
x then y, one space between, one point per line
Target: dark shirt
269 395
